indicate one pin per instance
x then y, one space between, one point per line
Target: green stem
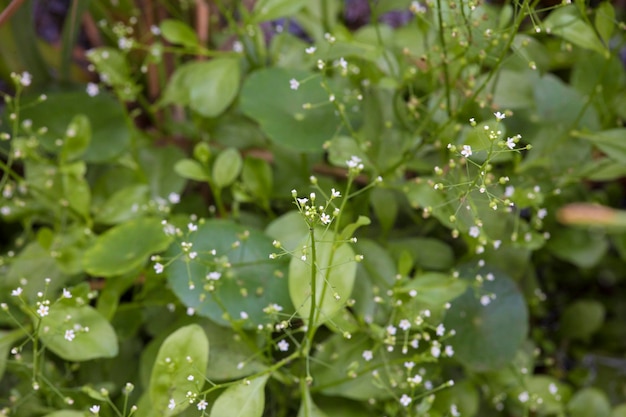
444 48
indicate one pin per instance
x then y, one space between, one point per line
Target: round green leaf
581 319
248 279
334 279
110 135
227 167
77 138
246 399
122 206
125 247
589 402
177 32
191 169
94 337
487 336
207 87
179 368
266 97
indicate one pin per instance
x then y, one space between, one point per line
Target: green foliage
369 208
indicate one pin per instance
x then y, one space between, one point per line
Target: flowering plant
319 208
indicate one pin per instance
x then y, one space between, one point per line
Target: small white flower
499 116
310 50
69 335
172 404
26 79
523 397
474 232
43 310
325 218
294 84
448 351
454 412
334 193
435 350
174 198
467 151
17 292
542 213
368 355
92 89
510 143
66 293
391 330
441 330
485 300
404 325
283 345
202 405
214 276
342 63
192 227
405 400
95 409
417 8
158 268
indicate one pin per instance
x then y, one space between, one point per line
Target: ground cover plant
312 208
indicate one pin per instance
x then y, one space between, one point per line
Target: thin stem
446 75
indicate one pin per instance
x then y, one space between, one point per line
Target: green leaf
158 166
583 248
334 279
122 206
582 319
267 98
66 413
110 135
207 87
190 169
434 288
566 23
612 142
265 10
589 402
289 229
177 32
77 138
427 253
308 407
348 231
605 21
94 335
227 167
125 247
619 411
257 178
8 339
385 207
179 368
488 336
249 280
245 399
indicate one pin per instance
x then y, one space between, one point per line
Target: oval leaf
266 97
93 337
488 336
336 271
246 399
190 169
227 167
179 367
177 32
125 247
207 87
234 261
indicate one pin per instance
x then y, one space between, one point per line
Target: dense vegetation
312 208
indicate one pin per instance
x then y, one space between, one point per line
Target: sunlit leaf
245 399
